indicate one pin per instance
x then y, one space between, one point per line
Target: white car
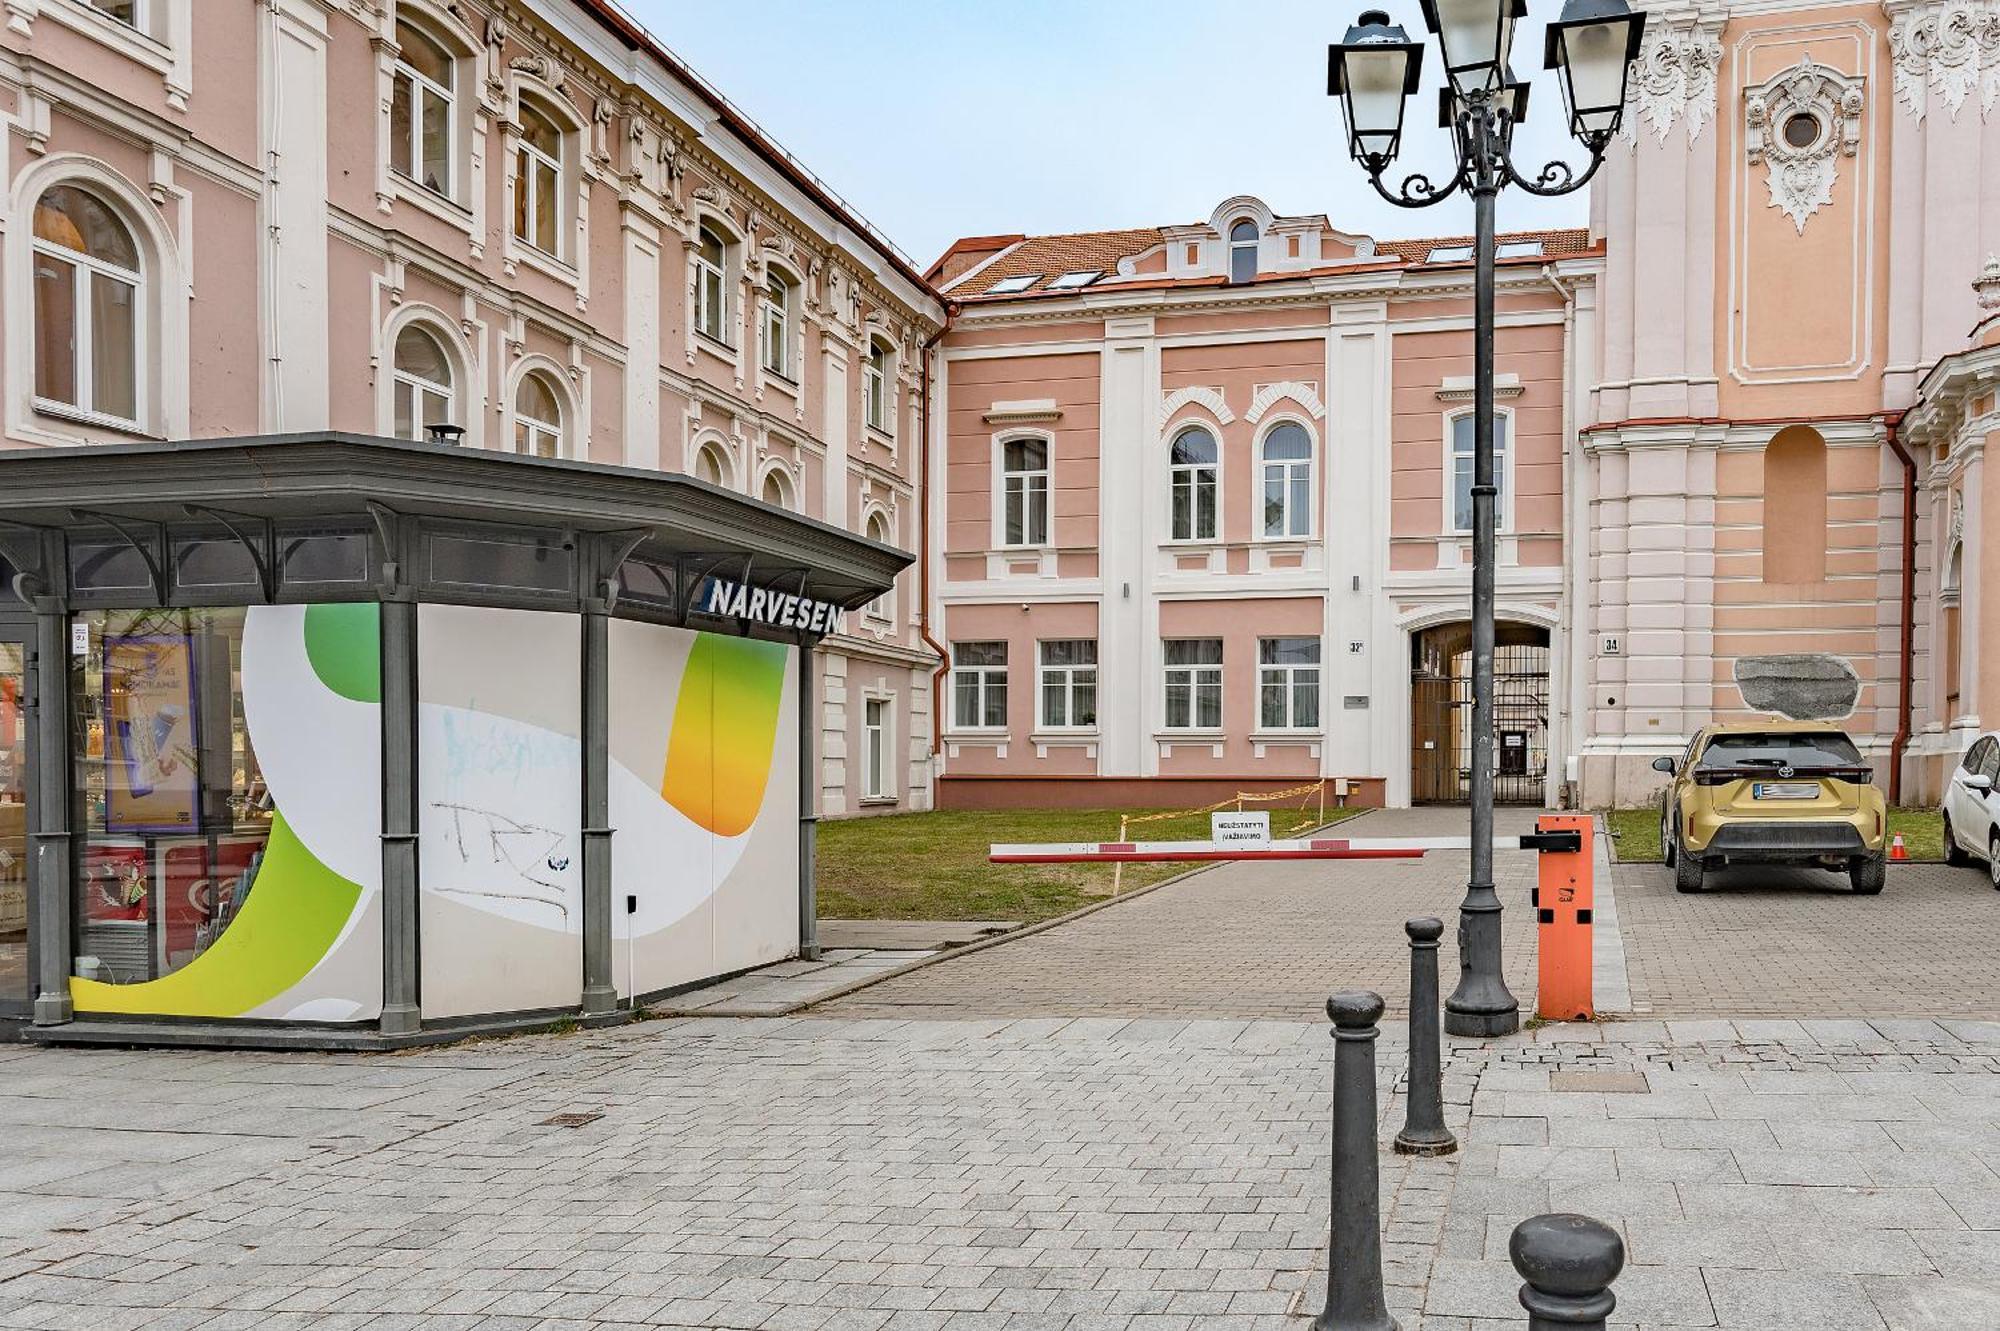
1972 807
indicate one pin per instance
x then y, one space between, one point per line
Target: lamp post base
1482 1025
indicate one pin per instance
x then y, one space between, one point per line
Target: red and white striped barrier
1315 848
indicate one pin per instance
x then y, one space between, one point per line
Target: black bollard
1424 1132
1354 1264
1569 1262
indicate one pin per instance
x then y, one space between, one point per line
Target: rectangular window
875 387
1194 683
1068 685
875 749
1195 479
711 304
1024 501
1288 683
1461 471
979 685
420 130
778 328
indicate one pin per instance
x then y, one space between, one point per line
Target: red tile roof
1048 257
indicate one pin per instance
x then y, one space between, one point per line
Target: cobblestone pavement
1796 942
1032 1175
1239 940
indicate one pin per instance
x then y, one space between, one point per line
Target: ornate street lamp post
1373 71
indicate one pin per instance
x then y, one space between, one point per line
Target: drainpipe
1907 646
924 538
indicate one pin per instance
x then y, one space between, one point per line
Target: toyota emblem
1784 771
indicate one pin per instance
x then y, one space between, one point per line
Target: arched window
711 286
1953 634
88 285
777 492
1243 251
538 174
777 325
875 380
1025 484
1192 462
1795 506
423 384
538 417
709 466
422 137
1287 464
877 530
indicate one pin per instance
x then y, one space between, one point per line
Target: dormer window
1243 251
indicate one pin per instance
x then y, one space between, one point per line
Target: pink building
1204 510
521 220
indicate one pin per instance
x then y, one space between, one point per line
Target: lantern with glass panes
1373 72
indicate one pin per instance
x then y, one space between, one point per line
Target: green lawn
933 866
1637 832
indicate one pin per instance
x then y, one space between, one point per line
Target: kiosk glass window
13 821
172 811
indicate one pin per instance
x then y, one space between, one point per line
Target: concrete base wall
1112 792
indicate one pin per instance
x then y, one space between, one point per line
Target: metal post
401 1011
1568 1262
808 808
1354 1263
1481 1005
600 990
1424 1132
54 904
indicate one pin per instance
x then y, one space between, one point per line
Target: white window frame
400 378
1190 471
1003 492
1196 679
713 307
883 608
420 82
160 38
984 680
528 156
1503 471
1254 244
775 326
878 384
558 430
1287 674
1289 467
86 269
878 742
1066 676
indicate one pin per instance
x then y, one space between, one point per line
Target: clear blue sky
943 118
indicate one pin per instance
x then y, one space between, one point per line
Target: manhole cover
571 1120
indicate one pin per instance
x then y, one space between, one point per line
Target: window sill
446 209
1042 549
77 416
879 801
1287 736
781 379
1064 736
1172 736
878 434
714 346
521 251
978 733
86 18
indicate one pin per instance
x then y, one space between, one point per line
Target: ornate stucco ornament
1947 49
1986 287
1674 79
1799 124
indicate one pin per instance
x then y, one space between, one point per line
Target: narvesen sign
729 599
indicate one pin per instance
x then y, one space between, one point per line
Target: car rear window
1779 749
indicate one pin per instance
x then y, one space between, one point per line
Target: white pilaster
1128 623
292 133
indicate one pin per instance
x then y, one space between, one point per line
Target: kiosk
343 742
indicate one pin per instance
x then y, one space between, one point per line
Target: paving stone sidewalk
1040 1174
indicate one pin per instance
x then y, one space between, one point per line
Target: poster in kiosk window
150 763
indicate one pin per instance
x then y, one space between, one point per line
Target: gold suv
1776 792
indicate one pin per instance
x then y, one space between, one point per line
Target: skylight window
1449 254
1519 249
1078 279
1007 286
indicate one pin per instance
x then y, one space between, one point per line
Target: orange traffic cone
1896 851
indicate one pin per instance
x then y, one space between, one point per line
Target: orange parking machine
1564 903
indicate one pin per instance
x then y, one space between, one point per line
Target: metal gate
1441 715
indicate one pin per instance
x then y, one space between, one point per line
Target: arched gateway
1441 714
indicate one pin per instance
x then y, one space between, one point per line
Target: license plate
1785 790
